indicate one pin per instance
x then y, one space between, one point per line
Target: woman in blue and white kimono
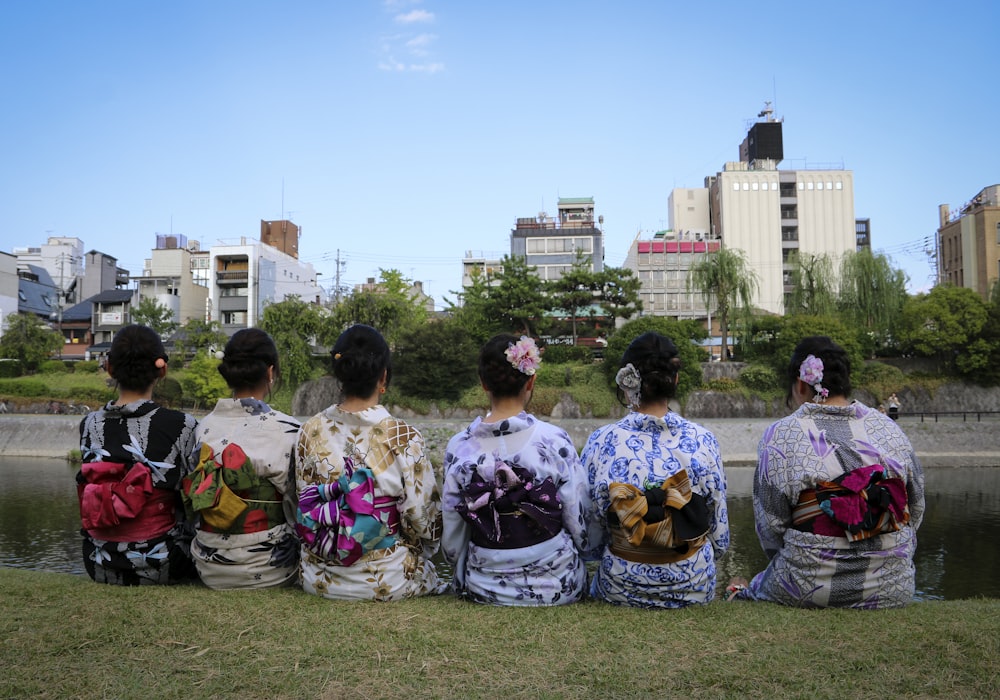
658 486
515 500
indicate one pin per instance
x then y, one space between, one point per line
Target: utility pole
336 277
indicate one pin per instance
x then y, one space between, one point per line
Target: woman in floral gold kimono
369 507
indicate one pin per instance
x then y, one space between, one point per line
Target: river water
956 558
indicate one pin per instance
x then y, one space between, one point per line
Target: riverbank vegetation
64 636
946 334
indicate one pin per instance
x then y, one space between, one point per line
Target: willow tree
725 280
813 285
872 294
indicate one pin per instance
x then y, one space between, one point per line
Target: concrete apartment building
173 277
248 275
769 214
550 244
663 262
968 241
478 262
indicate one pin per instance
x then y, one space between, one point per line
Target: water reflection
40 523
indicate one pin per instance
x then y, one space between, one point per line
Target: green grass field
66 637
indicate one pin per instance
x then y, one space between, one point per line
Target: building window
754 186
840 185
736 187
746 186
802 185
809 185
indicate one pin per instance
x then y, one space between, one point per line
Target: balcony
232 277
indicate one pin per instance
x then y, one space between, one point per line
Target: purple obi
512 511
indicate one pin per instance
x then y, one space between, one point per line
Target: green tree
294 325
513 301
725 280
575 290
813 286
29 340
872 294
197 335
685 335
150 312
393 307
422 369
618 293
201 380
946 324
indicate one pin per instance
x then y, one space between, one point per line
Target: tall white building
769 213
248 275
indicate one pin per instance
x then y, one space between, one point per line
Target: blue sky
404 134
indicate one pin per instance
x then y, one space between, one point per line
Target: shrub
760 378
881 379
53 367
168 392
26 387
87 366
558 354
724 384
435 361
10 368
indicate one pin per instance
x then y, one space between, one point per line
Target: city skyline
403 134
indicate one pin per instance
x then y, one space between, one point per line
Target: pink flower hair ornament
811 372
523 355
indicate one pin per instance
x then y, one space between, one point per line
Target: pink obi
120 505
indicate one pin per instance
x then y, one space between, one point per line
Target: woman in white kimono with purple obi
515 501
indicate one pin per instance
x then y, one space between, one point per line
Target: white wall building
248 275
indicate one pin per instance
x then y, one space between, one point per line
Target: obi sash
229 495
659 525
857 505
118 502
511 512
343 520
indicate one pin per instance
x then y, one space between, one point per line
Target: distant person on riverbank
369 506
658 488
135 455
515 500
838 495
893 406
243 489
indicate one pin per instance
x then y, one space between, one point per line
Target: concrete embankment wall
948 443
32 435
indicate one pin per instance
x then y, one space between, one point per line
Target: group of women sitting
348 505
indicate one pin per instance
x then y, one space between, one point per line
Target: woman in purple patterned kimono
515 496
838 495
135 455
243 489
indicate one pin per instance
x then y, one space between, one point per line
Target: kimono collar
507 426
369 416
250 406
132 409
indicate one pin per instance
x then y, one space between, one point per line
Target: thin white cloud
407 51
419 45
415 16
